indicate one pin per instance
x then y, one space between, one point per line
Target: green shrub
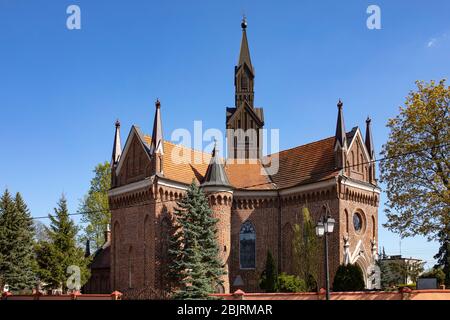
290 283
412 286
348 278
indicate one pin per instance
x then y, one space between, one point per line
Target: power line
369 162
316 173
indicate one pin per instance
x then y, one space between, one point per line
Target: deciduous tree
95 207
417 169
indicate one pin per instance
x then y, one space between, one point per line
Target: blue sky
61 91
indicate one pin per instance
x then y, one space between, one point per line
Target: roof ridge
181 145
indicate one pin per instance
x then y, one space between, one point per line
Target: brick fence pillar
406 293
239 295
322 294
116 295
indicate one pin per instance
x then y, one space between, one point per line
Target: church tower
244 122
220 194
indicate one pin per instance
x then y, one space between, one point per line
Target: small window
357 222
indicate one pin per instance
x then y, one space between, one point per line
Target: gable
134 164
358 159
245 108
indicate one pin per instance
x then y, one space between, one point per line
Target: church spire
215 174
340 144
117 148
244 54
341 138
157 143
244 73
369 140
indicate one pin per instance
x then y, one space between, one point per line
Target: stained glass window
247 248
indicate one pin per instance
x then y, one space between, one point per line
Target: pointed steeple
244 54
341 138
215 175
369 139
157 143
117 148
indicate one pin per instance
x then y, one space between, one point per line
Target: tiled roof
183 171
308 163
240 175
248 176
300 165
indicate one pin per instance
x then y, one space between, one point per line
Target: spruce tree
195 283
61 251
26 279
16 244
7 239
195 266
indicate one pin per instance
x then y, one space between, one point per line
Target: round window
357 221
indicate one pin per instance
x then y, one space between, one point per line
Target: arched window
362 163
130 268
115 237
374 227
288 235
247 246
247 148
146 242
165 238
353 160
346 221
244 83
357 157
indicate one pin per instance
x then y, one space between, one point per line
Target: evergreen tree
196 284
443 256
16 244
269 277
195 268
61 251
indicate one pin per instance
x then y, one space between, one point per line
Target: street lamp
324 227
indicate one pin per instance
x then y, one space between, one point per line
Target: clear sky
61 90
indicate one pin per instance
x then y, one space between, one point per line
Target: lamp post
324 227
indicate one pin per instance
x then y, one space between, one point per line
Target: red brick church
256 209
